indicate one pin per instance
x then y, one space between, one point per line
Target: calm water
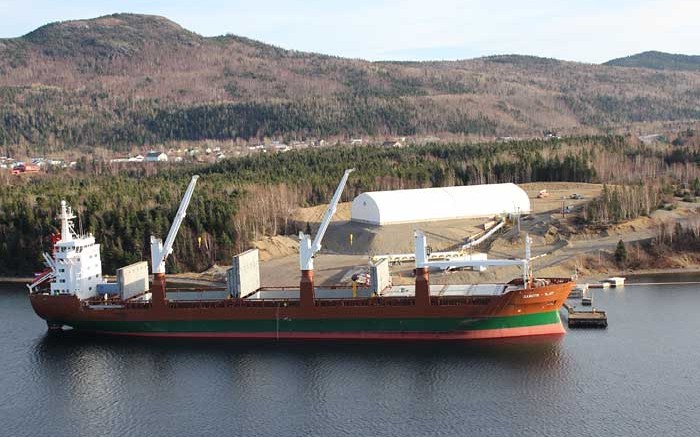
641 376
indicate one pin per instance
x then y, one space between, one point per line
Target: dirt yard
562 248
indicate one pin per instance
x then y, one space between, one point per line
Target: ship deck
179 297
344 292
453 290
338 292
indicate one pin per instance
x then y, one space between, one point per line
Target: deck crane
423 263
160 251
307 248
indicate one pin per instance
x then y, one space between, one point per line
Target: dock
612 282
586 319
615 281
577 291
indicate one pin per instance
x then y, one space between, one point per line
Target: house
56 162
652 139
137 158
23 168
156 157
355 141
390 144
551 135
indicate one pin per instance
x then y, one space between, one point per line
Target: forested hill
125 80
659 61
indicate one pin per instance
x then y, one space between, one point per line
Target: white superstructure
76 263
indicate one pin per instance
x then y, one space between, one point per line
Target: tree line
241 200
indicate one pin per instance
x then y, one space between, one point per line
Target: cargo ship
72 294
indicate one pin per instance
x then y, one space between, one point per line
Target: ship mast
65 216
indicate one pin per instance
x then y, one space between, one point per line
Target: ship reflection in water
638 377
272 388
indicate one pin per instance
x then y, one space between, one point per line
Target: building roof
428 204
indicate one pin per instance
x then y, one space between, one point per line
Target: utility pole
563 212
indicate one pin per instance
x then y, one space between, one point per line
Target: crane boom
422 258
160 251
307 249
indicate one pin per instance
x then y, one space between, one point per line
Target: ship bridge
76 262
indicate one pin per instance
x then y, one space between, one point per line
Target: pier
586 319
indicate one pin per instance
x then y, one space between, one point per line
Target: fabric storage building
447 203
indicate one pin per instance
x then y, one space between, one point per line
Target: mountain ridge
127 79
658 61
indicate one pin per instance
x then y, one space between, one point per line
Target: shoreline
641 272
16 280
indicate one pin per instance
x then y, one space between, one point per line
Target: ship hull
519 313
543 324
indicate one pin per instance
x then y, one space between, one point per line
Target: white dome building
428 204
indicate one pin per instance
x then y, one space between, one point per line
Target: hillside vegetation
241 200
125 80
659 61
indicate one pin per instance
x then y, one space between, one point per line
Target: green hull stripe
325 325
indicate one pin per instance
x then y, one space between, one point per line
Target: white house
156 157
390 144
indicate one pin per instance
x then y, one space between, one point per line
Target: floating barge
135 306
586 319
578 291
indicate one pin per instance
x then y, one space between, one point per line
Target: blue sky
577 30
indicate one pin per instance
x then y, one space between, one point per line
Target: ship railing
127 304
328 302
233 303
366 301
459 300
202 289
137 305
